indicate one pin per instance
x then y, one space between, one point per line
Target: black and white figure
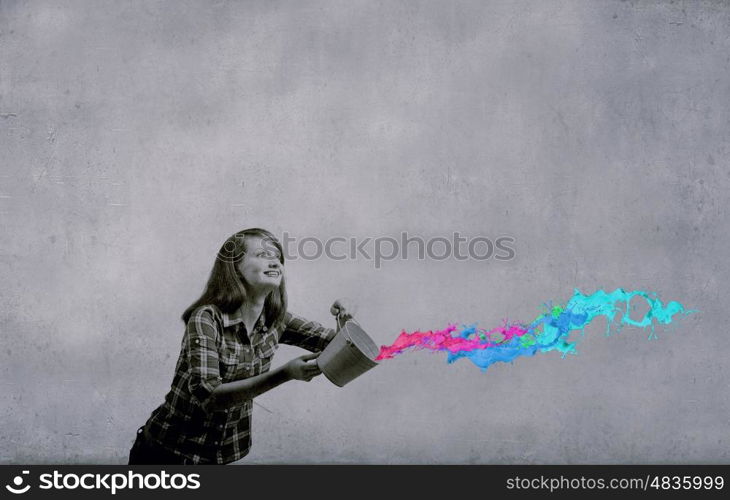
232 332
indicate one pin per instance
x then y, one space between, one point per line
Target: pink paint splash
548 332
443 340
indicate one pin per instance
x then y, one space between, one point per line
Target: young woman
232 332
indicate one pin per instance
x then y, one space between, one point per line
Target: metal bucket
350 354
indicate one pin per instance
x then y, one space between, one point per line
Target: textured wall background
136 136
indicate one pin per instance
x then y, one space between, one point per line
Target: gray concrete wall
137 136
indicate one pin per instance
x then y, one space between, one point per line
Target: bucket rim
365 337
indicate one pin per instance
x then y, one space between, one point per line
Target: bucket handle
341 324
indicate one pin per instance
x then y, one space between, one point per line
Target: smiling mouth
273 274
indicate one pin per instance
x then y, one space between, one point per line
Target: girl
232 332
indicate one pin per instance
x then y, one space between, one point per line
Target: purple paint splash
548 332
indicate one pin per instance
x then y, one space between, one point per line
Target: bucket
350 354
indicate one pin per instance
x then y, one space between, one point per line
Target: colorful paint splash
548 332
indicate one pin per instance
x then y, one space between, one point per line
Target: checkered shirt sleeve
201 340
305 333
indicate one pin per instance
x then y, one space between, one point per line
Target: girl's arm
205 384
301 332
311 335
238 391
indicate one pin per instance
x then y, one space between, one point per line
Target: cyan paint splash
548 332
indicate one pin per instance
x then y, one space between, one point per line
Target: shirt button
226 410
220 426
215 443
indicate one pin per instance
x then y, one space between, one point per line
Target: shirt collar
230 319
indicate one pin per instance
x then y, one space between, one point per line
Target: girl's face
260 266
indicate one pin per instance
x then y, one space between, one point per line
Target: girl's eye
267 255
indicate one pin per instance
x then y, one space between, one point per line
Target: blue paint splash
548 332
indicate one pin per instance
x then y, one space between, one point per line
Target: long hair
225 288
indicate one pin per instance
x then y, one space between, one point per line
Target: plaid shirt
216 349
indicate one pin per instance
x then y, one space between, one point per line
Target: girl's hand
299 369
343 310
